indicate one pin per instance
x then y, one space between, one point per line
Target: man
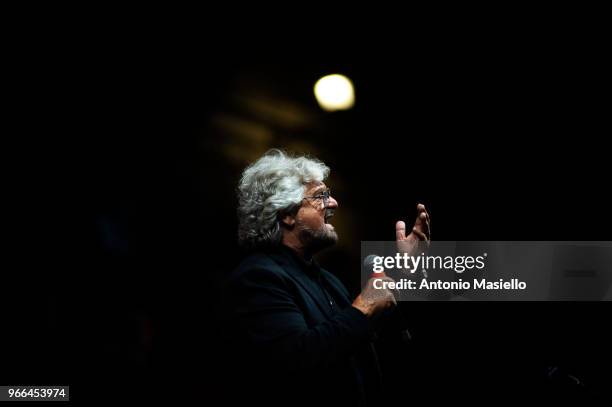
294 332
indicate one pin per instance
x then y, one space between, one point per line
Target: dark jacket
291 332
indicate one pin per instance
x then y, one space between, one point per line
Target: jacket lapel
289 264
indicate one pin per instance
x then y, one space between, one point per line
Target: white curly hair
269 188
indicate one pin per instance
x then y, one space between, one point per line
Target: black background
125 219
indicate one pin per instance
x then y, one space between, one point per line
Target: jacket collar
306 274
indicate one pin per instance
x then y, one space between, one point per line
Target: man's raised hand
421 231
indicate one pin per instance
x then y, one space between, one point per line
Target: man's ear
288 220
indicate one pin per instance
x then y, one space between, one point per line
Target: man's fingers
423 220
421 209
420 234
400 230
382 294
422 225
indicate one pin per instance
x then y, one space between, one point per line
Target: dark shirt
294 336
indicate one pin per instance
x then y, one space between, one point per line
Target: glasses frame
323 195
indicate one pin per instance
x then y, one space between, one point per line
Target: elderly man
296 335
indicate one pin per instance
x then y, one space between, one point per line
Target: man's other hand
373 301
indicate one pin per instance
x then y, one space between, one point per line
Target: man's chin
328 232
330 237
321 239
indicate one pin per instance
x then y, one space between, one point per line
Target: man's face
313 217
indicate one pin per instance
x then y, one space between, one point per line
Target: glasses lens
326 195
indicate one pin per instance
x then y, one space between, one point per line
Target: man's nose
332 203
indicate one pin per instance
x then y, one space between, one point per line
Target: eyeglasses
324 196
